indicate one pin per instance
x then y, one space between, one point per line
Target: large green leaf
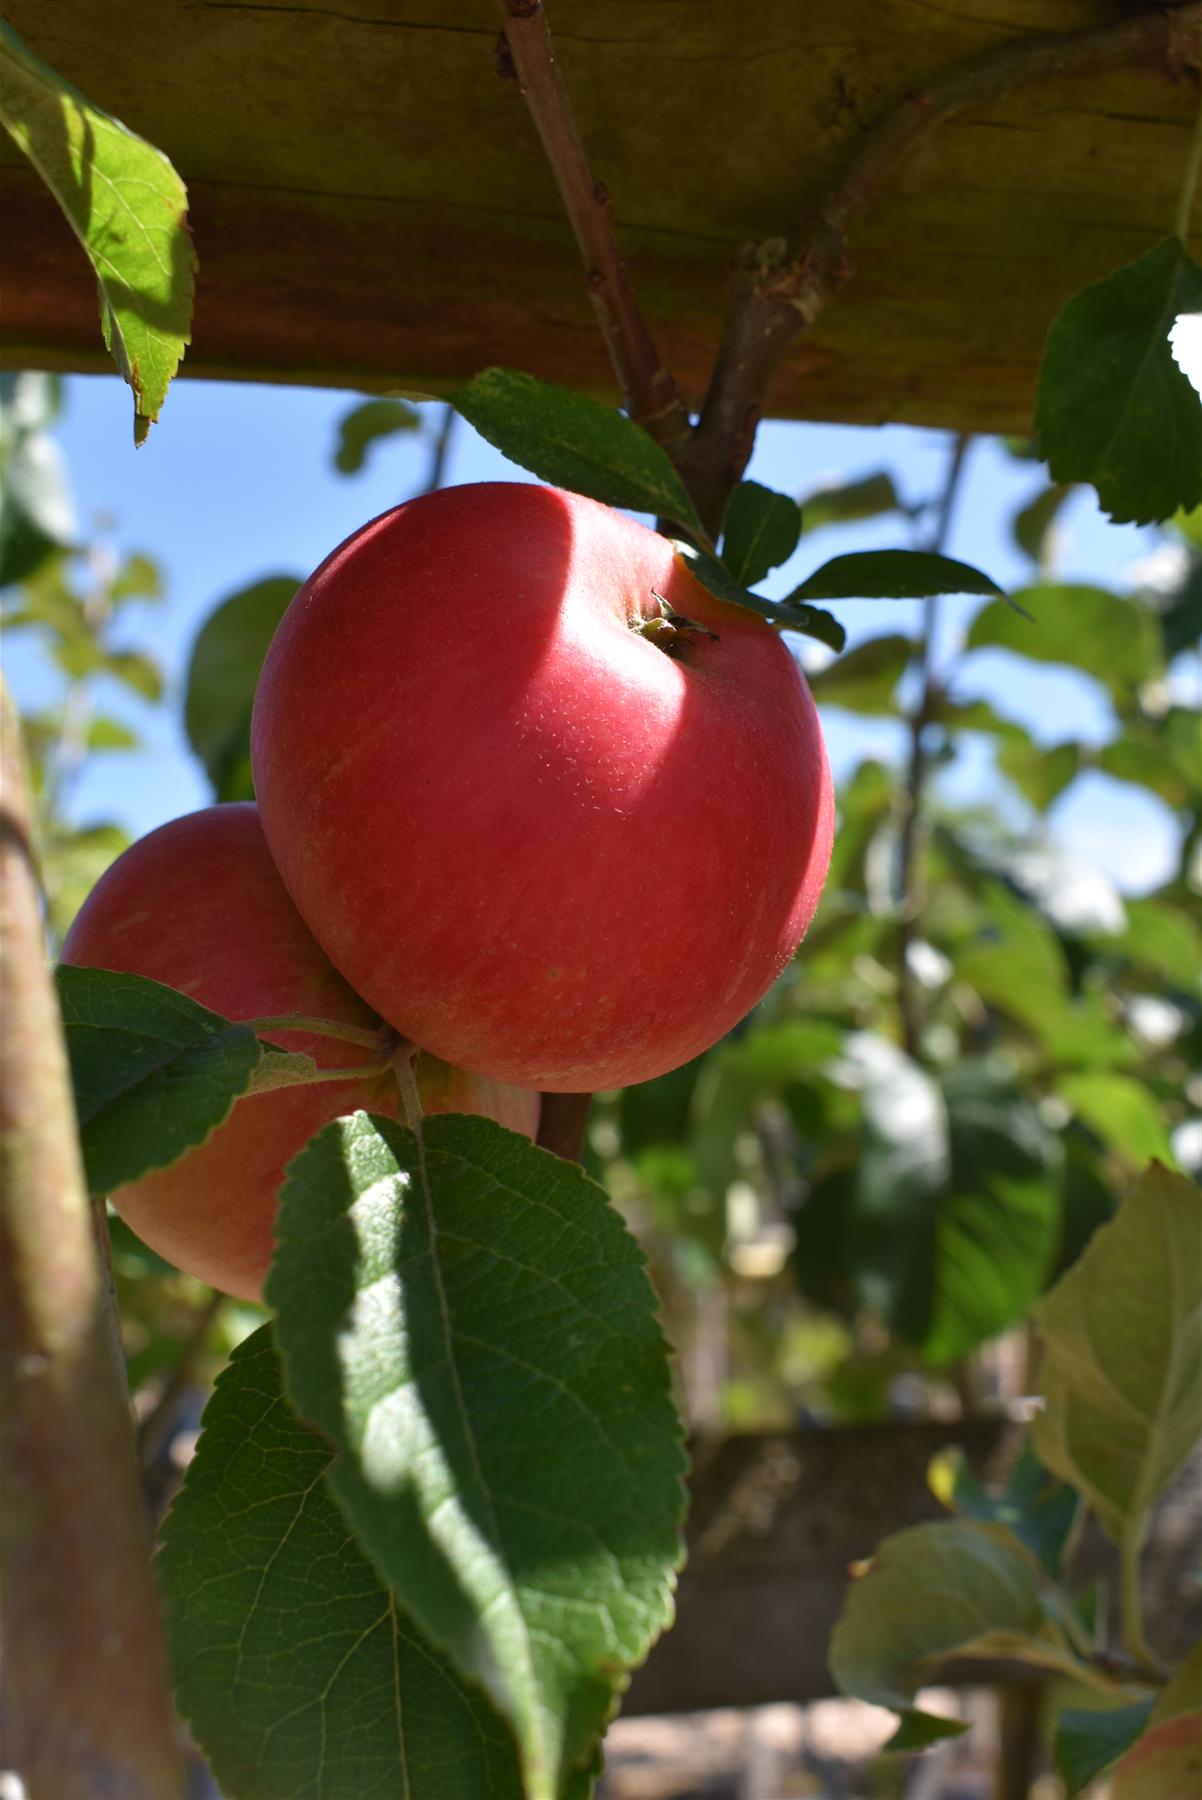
1104 635
1122 1372
470 1324
1114 408
294 1666
574 442
893 575
128 208
154 1073
956 1588
222 676
760 532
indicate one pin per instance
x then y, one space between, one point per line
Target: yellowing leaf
1122 1372
126 205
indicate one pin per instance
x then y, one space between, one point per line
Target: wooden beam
372 208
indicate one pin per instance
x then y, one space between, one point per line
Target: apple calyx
670 631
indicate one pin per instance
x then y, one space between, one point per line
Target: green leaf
575 443
134 670
1114 409
1088 1741
739 1075
1041 773
37 518
79 655
154 1073
1102 634
850 502
110 734
955 1588
470 1324
72 864
998 1221
1016 980
760 532
1180 610
1121 1111
138 578
863 680
1162 940
223 673
1034 521
978 715
1033 1506
1150 764
42 732
1122 1370
893 575
365 425
294 1667
810 621
948 1222
128 208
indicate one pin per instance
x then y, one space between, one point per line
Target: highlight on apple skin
541 844
198 905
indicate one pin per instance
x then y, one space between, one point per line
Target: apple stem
350 1034
401 1063
351 1072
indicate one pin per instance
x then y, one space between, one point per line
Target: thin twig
779 288
440 451
649 392
910 880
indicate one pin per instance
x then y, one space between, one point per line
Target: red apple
198 905
537 841
540 844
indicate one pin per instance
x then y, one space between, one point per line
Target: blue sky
236 482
